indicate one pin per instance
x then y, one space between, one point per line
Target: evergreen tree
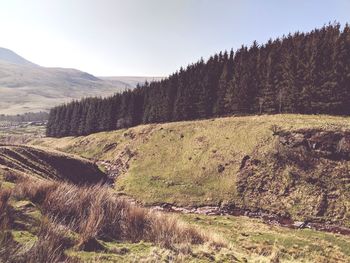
299 73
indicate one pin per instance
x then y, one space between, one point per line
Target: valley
171 180
28 87
209 131
247 162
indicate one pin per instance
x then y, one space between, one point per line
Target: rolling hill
207 171
293 166
27 87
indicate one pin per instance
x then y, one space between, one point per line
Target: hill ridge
9 56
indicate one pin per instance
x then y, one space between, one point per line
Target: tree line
305 73
25 117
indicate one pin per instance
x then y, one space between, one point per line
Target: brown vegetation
90 214
304 177
95 212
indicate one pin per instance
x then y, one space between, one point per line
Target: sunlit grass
179 162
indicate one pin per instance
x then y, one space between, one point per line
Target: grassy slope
160 170
179 162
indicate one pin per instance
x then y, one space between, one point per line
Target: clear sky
150 37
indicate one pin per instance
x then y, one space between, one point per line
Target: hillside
196 167
132 80
7 55
27 87
293 166
25 161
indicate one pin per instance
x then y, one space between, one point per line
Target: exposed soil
50 165
305 176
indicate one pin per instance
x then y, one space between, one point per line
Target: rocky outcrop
326 144
120 165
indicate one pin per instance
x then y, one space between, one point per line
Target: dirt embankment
50 165
305 177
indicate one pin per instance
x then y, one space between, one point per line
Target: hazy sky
150 37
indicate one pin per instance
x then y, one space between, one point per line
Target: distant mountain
9 56
27 87
132 80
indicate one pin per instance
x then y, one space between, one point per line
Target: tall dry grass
5 213
51 244
96 213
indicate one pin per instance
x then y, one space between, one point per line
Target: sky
150 37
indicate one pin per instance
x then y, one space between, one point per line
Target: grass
118 232
84 222
252 239
179 162
96 213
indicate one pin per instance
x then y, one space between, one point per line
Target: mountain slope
288 165
27 87
132 80
9 56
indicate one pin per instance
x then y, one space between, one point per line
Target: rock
90 245
169 183
221 168
244 161
208 210
120 251
343 146
300 224
109 147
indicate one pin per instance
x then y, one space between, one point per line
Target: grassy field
237 239
187 163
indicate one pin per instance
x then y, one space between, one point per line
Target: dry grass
49 247
96 213
5 214
51 243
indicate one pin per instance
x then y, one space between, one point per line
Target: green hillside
198 163
186 164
